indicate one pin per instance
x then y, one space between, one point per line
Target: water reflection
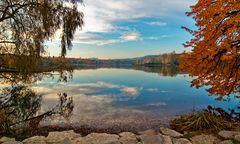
20 110
165 70
171 71
13 78
136 98
20 105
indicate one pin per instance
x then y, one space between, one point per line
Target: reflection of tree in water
20 105
31 77
65 106
14 78
163 70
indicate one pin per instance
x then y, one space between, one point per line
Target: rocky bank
163 136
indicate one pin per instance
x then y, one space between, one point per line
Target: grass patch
211 119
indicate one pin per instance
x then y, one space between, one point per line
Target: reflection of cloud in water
87 98
157 104
163 91
75 89
131 91
92 102
42 90
152 89
155 90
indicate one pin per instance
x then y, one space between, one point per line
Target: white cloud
107 42
132 36
87 38
157 23
101 17
100 14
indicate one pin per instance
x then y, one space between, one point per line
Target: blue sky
124 29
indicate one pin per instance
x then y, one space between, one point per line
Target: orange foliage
215 55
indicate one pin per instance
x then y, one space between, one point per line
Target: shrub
213 119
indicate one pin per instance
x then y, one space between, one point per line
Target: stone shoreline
163 136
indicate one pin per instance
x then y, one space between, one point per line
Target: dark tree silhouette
26 24
19 107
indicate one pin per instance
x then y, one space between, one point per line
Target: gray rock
6 139
127 134
151 139
226 142
78 140
155 139
128 138
237 138
124 140
98 138
67 141
12 142
228 134
149 132
35 140
170 132
205 139
181 141
64 137
166 139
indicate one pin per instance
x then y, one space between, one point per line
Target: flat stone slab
61 137
6 139
151 139
166 139
181 141
170 132
155 139
226 142
12 142
35 140
149 132
127 134
128 138
205 139
237 138
228 134
98 138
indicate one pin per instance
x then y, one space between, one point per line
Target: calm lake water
140 99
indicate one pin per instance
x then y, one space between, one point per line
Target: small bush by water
213 119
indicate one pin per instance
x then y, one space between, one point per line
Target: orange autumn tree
214 58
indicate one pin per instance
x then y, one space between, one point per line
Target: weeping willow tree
26 24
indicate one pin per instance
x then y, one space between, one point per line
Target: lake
138 99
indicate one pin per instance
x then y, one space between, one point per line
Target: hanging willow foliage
25 24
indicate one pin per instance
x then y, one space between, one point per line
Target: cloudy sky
129 28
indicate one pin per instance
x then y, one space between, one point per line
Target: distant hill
149 60
12 62
158 60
